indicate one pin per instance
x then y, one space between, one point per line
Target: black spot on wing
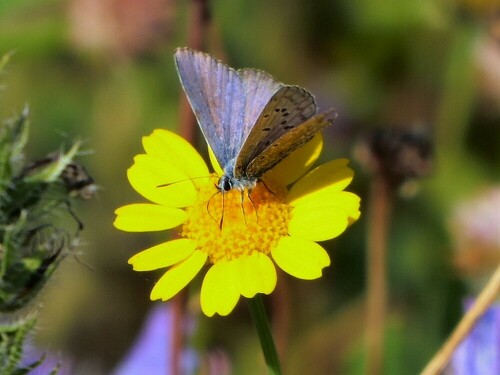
293 138
289 107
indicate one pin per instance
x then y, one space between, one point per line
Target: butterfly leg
267 187
223 210
249 195
243 205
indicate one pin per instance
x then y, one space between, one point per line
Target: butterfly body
250 121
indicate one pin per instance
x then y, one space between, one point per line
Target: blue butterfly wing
259 88
217 95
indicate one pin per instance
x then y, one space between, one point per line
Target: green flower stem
261 322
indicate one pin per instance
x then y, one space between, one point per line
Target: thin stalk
380 207
198 26
487 296
177 331
261 322
198 30
280 302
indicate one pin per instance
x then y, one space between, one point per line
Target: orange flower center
233 224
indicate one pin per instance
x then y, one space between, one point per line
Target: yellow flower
242 236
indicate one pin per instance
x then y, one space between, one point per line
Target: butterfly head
228 181
225 184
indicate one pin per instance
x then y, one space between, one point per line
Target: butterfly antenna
208 207
176 182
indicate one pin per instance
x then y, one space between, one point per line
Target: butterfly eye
225 184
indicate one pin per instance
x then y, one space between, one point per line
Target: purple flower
50 362
479 353
151 353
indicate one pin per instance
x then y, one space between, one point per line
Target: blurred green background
102 70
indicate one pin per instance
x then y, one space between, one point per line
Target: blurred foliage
104 70
12 338
32 243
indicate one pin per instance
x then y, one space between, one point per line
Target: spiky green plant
33 197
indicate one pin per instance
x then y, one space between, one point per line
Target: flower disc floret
237 223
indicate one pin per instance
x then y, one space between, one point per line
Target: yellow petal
148 173
220 289
215 163
345 199
331 176
143 217
178 276
297 163
176 151
318 224
162 255
300 258
257 274
323 215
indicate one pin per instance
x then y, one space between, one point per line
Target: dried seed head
399 156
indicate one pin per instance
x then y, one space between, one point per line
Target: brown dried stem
380 207
198 29
483 302
199 22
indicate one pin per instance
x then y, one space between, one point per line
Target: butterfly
250 121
